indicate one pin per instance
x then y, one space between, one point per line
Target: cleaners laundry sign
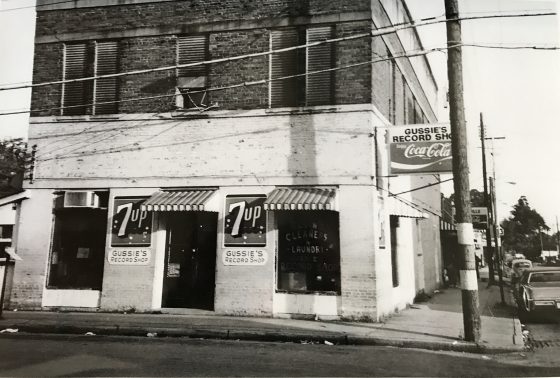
420 149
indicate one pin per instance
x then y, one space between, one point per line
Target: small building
254 183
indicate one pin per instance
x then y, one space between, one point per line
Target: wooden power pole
489 251
465 233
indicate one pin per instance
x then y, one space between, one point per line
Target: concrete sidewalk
436 324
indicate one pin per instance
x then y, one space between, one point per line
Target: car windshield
545 277
522 265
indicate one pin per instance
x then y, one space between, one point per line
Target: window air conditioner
81 199
184 100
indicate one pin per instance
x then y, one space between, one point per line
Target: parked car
517 269
538 292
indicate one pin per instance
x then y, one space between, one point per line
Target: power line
424 186
375 33
37 6
243 84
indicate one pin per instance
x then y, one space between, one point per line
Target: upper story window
192 49
304 90
87 59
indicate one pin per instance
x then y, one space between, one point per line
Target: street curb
269 336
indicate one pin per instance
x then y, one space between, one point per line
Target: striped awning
300 199
403 209
183 200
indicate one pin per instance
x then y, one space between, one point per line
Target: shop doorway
190 260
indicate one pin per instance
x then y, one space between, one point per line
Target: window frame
89 66
309 214
301 96
57 235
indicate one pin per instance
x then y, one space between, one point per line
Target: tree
523 230
14 160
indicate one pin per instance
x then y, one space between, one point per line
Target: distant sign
420 149
479 217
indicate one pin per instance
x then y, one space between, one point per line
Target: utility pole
5 257
557 236
465 233
489 250
497 241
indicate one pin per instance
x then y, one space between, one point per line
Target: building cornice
206 27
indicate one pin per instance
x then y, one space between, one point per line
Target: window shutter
106 62
285 92
192 49
319 88
75 57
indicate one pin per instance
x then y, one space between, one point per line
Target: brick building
255 186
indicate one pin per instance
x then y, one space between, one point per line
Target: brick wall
246 290
357 265
155 47
33 247
227 44
184 13
47 66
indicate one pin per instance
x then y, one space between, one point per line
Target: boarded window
75 95
192 49
286 92
106 63
319 88
85 60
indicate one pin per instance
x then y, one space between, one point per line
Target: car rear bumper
545 305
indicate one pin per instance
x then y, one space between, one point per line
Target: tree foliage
14 160
524 230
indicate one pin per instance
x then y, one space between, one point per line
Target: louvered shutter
75 58
286 92
105 89
192 49
319 88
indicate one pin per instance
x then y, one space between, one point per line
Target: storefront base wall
71 298
324 307
357 247
33 244
245 289
131 287
393 299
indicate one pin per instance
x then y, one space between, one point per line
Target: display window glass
308 252
78 247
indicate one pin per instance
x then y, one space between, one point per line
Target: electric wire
373 33
240 85
265 81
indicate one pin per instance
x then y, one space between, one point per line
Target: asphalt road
52 355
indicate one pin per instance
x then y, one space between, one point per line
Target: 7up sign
130 225
245 221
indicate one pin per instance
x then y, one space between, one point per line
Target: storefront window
78 247
308 251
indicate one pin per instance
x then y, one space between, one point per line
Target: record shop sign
420 149
129 256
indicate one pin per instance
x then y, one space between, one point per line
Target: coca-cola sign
420 149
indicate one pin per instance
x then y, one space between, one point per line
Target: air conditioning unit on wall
81 199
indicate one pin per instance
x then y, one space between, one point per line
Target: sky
518 91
